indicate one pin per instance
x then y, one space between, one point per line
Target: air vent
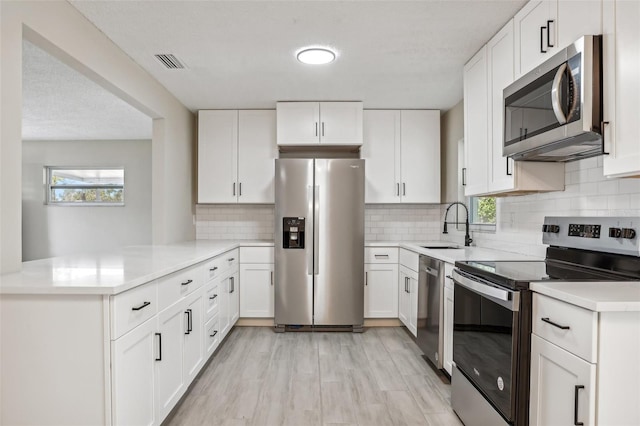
170 61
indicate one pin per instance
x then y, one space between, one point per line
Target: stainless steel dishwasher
430 309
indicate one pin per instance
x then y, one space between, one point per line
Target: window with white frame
74 186
482 210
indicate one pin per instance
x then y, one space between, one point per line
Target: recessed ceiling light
316 56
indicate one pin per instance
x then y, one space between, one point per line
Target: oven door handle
481 288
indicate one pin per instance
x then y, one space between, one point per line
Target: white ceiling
241 54
59 103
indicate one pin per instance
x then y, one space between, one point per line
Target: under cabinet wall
383 222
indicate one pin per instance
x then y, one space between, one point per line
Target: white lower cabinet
170 380
193 342
381 290
133 376
448 319
211 336
408 299
562 386
257 293
229 301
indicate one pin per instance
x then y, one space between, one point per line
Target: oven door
485 341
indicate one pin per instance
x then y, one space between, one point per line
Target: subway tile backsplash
587 193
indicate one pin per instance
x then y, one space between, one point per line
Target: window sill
489 228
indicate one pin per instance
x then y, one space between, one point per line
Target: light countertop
114 271
595 296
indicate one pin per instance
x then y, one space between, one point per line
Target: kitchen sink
442 247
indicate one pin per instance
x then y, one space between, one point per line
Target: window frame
48 187
473 213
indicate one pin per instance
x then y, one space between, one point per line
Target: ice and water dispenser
293 232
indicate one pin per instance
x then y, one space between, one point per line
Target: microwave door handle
555 94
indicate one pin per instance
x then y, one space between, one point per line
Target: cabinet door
217 156
193 336
621 62
577 18
557 376
413 304
170 382
476 148
211 336
448 326
403 296
381 290
420 156
298 123
256 292
133 356
535 34
381 152
341 123
500 69
234 299
257 151
224 318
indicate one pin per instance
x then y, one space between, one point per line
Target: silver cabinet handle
575 406
408 285
159 346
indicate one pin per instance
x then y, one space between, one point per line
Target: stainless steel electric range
492 311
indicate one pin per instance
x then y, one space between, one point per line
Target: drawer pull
214 333
213 297
562 327
213 269
144 305
381 256
187 282
231 259
575 406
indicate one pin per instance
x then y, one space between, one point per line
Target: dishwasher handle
432 271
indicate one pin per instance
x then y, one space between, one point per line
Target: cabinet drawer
409 259
132 308
212 299
214 267
380 255
256 254
177 285
230 259
567 326
211 336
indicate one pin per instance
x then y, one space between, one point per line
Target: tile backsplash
587 193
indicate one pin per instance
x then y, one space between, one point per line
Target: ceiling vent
170 61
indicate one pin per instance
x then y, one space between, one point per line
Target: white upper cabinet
536 27
621 62
236 153
475 174
577 18
311 123
217 156
402 153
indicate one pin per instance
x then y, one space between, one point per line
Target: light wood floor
259 377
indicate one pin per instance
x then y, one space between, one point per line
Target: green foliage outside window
483 210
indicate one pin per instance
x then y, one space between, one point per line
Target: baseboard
268 322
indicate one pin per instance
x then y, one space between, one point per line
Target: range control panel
606 234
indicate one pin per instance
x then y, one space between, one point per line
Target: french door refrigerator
319 243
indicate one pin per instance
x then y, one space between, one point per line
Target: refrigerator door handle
309 249
316 230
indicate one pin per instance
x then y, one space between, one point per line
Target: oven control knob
554 229
615 232
628 233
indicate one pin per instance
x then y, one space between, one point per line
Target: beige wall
452 130
62 31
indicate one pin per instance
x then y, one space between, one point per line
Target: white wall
383 222
587 193
63 32
49 230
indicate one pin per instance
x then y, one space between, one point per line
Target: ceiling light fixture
316 56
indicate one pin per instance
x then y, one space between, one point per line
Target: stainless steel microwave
554 112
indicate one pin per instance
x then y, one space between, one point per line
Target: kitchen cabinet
621 63
487 172
193 357
447 362
133 376
544 27
408 290
582 365
381 282
256 290
236 153
313 123
402 153
230 302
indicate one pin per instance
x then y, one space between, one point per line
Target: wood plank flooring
259 377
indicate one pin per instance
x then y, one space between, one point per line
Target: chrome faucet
467 239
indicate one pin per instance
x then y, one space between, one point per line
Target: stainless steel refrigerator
319 243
